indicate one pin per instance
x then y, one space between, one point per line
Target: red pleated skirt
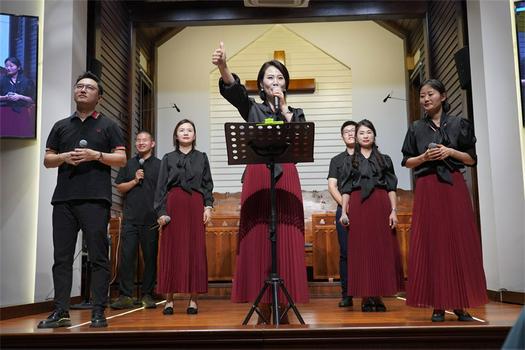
445 266
374 258
182 252
253 263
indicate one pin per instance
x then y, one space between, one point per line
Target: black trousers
131 235
92 218
342 237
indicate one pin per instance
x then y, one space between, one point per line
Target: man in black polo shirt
138 180
335 180
84 147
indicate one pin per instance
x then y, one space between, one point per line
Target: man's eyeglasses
86 86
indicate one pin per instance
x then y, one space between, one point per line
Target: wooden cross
306 85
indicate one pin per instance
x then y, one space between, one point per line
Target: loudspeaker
94 66
461 57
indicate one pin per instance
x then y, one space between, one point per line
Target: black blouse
453 132
250 110
369 175
23 86
191 172
253 112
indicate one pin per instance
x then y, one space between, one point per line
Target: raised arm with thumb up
218 58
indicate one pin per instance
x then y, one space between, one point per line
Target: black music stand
253 143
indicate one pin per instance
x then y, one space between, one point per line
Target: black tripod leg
291 304
255 305
275 300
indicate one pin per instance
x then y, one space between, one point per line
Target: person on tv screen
16 90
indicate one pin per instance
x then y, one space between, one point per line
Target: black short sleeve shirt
337 168
138 207
89 180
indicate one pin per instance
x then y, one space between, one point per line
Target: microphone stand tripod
273 281
271 153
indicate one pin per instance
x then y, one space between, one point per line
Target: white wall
498 129
184 65
26 187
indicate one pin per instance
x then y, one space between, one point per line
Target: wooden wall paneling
448 34
221 246
114 237
325 248
110 42
403 237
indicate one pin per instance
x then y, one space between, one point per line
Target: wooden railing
321 244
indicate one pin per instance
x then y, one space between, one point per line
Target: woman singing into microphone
183 201
253 255
445 267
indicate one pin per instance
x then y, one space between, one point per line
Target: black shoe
57 319
438 316
148 302
379 305
463 315
192 310
346 302
167 311
123 302
368 305
98 319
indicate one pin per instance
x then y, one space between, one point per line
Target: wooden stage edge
218 326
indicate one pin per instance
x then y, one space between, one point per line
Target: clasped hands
440 152
80 155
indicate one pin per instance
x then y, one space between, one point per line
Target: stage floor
219 319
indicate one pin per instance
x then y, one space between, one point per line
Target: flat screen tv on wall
18 76
519 11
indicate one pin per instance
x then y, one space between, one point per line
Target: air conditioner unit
276 3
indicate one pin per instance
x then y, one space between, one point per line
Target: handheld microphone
433 145
141 166
276 100
167 220
82 144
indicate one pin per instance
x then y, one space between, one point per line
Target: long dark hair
439 87
375 151
281 67
176 142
